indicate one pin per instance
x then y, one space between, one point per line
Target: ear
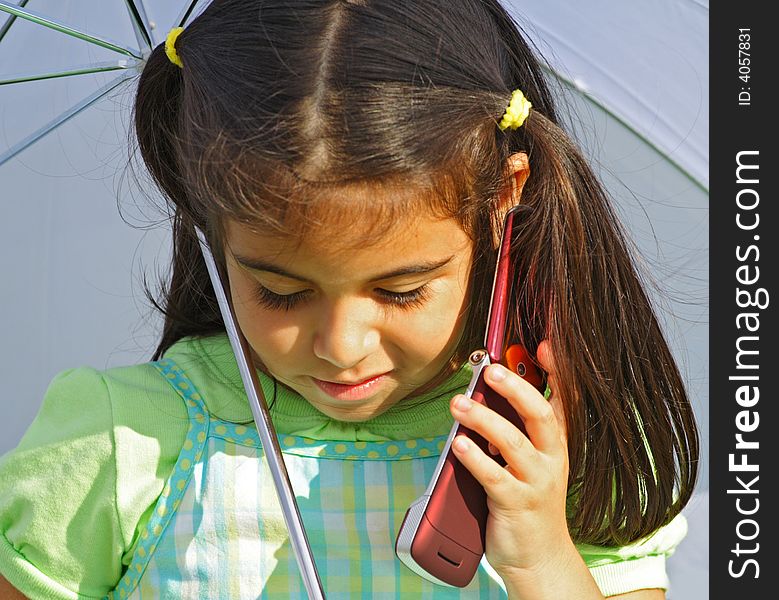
517 170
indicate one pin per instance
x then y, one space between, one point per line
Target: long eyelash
404 300
408 300
276 301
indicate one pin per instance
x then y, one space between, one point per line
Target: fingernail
460 443
497 373
462 403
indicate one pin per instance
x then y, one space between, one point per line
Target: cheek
269 332
435 329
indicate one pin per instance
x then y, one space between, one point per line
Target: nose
346 333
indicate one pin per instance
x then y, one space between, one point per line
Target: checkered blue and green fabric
217 530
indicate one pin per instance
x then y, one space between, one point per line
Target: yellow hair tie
517 111
170 46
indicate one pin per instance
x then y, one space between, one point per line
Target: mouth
352 391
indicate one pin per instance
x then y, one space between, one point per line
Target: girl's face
315 313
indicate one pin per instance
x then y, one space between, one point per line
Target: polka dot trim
303 446
176 485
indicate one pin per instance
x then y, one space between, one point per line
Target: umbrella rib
79 70
699 184
143 33
40 19
7 25
60 119
184 14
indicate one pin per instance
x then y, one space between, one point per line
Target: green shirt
79 488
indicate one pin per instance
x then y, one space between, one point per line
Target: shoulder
73 491
76 406
84 402
636 566
209 363
663 541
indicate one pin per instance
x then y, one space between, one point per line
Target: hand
527 533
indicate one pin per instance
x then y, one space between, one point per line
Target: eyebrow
424 267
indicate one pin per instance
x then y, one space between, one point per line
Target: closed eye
404 300
413 298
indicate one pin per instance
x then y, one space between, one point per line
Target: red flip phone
443 532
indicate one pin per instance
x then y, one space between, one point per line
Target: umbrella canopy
71 263
76 46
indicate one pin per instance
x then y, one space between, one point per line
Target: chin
354 413
356 416
351 411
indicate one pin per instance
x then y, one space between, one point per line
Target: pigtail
632 439
633 443
189 303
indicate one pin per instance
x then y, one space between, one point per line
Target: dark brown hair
289 113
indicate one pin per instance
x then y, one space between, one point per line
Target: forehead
347 214
360 246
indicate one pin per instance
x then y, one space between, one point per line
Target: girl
351 163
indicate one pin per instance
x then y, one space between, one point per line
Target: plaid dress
217 530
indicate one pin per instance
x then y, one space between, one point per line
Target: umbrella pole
270 443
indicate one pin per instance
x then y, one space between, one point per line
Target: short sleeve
618 570
60 535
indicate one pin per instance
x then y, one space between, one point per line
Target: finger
538 416
499 484
557 406
546 358
503 435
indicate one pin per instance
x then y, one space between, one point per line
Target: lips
366 380
352 391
